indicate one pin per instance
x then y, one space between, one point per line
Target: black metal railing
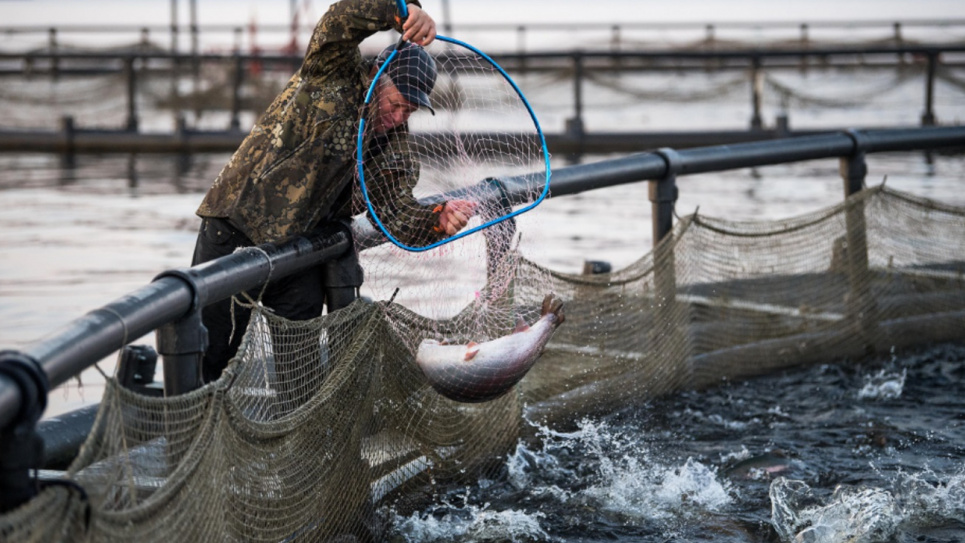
231 36
171 303
573 140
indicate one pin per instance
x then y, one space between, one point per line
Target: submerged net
320 430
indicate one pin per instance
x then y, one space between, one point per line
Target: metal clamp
21 448
859 138
854 168
199 291
665 189
183 342
31 380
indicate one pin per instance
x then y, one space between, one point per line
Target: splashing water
863 514
594 471
883 386
858 515
467 522
704 465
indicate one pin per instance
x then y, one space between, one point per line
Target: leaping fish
479 372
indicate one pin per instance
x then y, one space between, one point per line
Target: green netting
320 428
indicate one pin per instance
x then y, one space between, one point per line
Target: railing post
236 94
195 57
899 42
54 60
616 46
174 27
574 126
182 343
21 447
446 19
710 44
861 307
757 92
239 33
805 44
195 41
928 117
663 195
668 337
131 93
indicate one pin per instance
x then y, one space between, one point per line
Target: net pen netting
319 428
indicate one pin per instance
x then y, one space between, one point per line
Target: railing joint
667 191
854 167
182 343
199 290
860 139
21 448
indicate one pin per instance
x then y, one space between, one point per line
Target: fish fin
471 349
521 325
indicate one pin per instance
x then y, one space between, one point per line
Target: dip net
478 132
331 451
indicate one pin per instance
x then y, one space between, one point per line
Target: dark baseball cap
413 71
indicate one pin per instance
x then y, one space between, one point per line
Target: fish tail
553 304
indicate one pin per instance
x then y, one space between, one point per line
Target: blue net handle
360 145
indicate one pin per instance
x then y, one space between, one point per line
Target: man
296 170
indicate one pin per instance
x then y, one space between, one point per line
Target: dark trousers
299 296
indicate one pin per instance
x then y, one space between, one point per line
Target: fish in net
473 131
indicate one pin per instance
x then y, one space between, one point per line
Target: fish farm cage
313 456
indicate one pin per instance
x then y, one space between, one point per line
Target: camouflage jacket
297 166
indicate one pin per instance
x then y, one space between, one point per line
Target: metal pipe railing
172 303
178 293
894 28
654 165
105 330
575 139
90 338
748 53
644 166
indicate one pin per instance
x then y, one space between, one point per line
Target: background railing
576 65
519 38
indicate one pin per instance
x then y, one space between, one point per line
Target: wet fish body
484 371
764 465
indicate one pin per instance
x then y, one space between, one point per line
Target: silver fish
479 372
761 466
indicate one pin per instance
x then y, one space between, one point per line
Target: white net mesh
481 129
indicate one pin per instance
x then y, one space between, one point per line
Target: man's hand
419 28
455 215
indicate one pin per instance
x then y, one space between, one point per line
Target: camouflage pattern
297 166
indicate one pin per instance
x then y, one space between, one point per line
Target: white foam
865 514
471 523
883 386
630 483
